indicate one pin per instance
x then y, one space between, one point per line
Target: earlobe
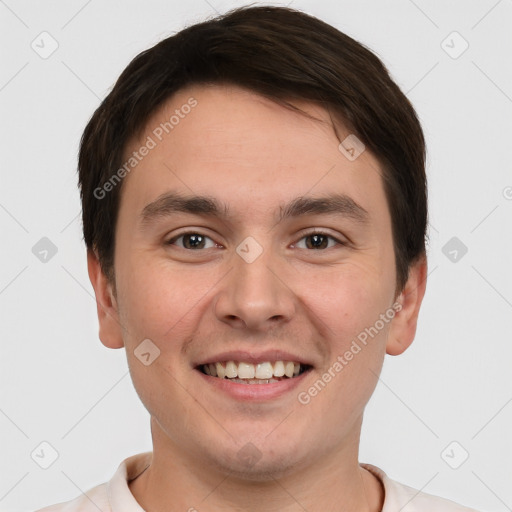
110 331
403 326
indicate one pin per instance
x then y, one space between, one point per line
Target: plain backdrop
447 398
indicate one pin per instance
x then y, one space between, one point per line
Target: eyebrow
173 202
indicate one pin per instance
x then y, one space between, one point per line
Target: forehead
248 151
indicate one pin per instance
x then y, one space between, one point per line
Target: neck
175 481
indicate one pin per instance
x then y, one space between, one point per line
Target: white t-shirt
115 495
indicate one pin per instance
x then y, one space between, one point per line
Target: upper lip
253 357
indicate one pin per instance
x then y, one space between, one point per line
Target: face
261 278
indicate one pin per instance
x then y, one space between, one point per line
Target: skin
194 303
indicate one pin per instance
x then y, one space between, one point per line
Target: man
255 209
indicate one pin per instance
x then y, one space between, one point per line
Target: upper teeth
242 370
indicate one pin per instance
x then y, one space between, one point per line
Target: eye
195 241
192 240
318 240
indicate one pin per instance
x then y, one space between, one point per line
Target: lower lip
254 392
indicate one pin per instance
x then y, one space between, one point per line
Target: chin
259 461
266 469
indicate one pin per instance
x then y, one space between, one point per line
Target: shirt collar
119 495
122 500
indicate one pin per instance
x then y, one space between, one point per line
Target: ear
403 326
108 317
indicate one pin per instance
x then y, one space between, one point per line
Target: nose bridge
253 293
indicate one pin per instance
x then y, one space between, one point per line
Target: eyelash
305 235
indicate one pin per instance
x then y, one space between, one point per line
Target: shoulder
406 499
92 501
112 495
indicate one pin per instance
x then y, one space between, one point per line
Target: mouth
266 372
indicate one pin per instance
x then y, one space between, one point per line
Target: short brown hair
282 54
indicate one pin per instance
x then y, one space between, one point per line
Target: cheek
347 300
350 303
159 302
350 307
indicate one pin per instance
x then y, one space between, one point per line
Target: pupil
194 240
318 241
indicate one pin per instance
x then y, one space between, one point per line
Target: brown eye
192 241
318 240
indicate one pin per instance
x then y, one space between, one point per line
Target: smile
261 373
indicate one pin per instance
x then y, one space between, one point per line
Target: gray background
61 386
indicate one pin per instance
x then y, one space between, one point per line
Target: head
224 209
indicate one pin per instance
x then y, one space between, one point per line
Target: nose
256 295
